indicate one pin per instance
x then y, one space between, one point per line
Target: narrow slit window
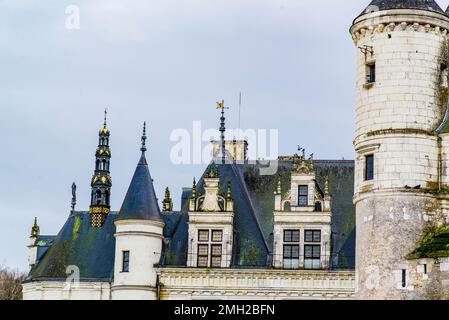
404 278
369 167
125 261
370 73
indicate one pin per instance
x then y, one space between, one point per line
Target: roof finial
144 138
221 105
73 196
105 117
35 229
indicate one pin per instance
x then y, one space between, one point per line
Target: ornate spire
73 196
167 204
144 138
192 200
35 229
221 105
101 180
105 118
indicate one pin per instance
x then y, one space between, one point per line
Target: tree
10 284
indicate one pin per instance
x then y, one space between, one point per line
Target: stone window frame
361 154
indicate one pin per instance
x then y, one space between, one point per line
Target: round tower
401 98
139 236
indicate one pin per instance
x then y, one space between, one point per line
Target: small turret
139 234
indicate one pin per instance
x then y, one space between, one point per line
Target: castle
373 228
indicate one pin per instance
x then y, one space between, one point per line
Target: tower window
404 278
303 194
125 261
370 73
291 249
369 167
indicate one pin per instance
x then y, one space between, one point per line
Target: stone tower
139 235
401 99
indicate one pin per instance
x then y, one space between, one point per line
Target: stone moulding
399 20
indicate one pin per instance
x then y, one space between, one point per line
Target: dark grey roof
141 202
93 249
428 5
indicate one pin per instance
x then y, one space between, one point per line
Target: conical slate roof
428 5
140 202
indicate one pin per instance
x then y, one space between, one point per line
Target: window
125 261
291 235
291 249
216 256
318 207
404 278
210 248
303 194
203 255
369 167
312 256
203 235
312 236
217 235
370 73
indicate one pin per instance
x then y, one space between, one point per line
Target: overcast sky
166 62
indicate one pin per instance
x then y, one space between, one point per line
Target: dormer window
303 195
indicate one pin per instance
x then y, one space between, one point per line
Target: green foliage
434 244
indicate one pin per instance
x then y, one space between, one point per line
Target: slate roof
428 5
140 201
92 249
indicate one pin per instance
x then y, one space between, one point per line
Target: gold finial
220 105
326 186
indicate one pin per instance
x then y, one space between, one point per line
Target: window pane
217 235
216 250
203 235
202 261
303 190
291 235
216 262
287 251
317 236
287 236
295 252
295 236
312 236
302 201
125 261
312 251
369 167
203 250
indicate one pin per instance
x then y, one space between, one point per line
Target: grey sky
166 62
